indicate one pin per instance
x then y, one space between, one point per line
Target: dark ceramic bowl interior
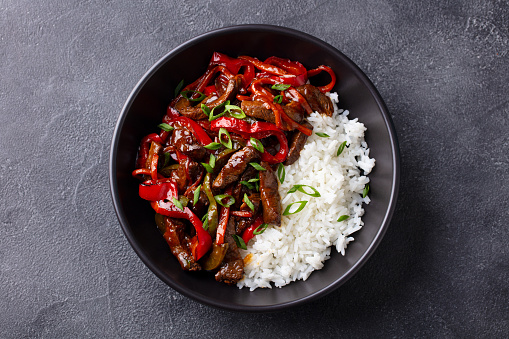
145 108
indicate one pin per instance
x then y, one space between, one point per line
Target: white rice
301 245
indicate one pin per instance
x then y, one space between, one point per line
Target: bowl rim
395 163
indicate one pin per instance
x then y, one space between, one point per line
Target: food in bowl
215 173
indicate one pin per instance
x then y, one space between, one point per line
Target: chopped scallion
166 127
323 135
186 95
260 229
213 146
228 144
280 87
248 202
343 218
281 172
341 148
219 198
178 204
179 87
235 111
257 166
300 188
256 144
196 195
239 241
365 191
301 203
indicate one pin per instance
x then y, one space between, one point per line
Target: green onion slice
301 203
247 184
343 218
239 241
205 221
256 144
214 117
213 146
280 87
186 95
219 198
260 229
365 191
257 166
166 127
179 87
207 167
196 195
228 144
300 188
248 202
235 111
212 161
205 217
205 109
177 203
281 172
341 148
323 135
278 99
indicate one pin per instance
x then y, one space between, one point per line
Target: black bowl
145 108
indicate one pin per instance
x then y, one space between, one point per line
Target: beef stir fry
211 172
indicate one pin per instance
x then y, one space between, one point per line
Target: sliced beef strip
269 193
179 175
257 109
184 142
196 113
295 111
297 142
232 268
179 243
316 99
235 166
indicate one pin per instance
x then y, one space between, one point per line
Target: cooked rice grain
301 245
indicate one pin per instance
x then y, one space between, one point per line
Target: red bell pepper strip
154 190
257 130
233 65
141 171
153 166
263 66
326 88
192 126
202 242
296 96
209 90
145 147
293 67
248 232
223 221
242 214
292 80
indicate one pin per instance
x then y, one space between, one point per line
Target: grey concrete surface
66 69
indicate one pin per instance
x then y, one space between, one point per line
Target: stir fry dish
211 173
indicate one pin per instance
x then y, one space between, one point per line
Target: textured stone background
66 69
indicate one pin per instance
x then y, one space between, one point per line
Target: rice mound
301 245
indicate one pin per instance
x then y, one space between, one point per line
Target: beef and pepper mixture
211 172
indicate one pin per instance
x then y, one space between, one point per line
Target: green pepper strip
213 211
